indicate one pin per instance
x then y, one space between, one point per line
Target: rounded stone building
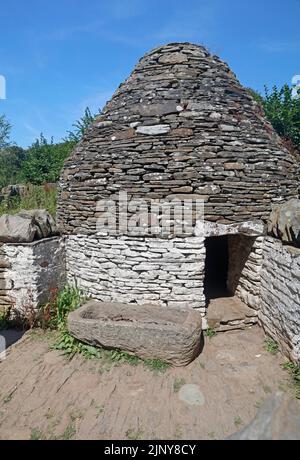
180 127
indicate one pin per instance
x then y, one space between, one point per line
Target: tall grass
37 197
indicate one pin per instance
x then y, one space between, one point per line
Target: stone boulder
43 221
27 226
284 221
148 331
16 229
11 191
278 419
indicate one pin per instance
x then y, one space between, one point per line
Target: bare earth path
44 396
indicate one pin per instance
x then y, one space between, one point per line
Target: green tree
283 111
80 126
11 160
5 129
44 160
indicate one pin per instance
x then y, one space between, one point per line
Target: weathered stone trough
148 331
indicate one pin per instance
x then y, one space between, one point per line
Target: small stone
234 166
125 134
182 132
191 395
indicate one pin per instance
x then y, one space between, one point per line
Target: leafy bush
11 160
44 161
80 127
5 129
282 109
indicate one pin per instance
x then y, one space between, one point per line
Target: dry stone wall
244 270
180 124
143 270
280 295
28 272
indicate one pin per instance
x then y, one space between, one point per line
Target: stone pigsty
181 127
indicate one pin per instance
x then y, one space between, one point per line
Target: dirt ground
43 395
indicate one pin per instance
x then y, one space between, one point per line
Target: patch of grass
210 332
156 365
76 415
178 383
271 346
211 435
36 198
120 357
238 421
294 371
37 435
202 365
132 434
69 432
4 319
8 398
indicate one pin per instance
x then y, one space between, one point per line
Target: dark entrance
216 267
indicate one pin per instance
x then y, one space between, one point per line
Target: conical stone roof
180 124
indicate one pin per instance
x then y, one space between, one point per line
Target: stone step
229 313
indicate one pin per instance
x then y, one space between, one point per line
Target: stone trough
147 331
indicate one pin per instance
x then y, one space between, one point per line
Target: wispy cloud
276 46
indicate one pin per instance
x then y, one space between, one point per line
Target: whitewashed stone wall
30 272
244 271
141 270
280 295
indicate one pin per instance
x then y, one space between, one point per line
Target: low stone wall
245 260
141 270
280 295
28 272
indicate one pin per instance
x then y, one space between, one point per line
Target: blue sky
59 56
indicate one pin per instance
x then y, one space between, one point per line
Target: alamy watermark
124 214
296 86
2 87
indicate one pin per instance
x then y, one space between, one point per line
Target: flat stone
153 110
173 58
182 132
224 310
234 166
191 395
284 221
153 130
278 419
148 331
125 134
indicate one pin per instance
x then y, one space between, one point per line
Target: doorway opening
216 267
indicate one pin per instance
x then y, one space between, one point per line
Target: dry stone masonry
181 123
181 127
29 273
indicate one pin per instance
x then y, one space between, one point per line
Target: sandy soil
43 395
